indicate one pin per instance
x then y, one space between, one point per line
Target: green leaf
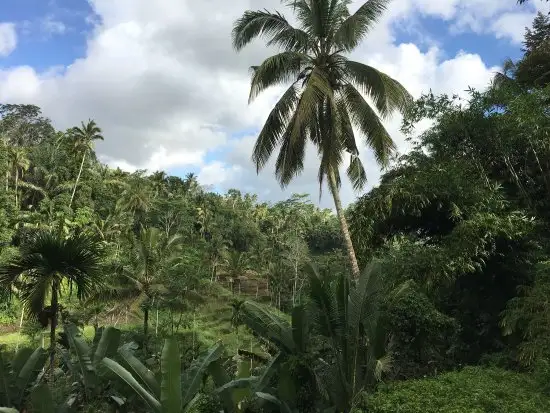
82 349
42 400
127 378
265 323
299 327
27 375
139 370
8 410
170 388
195 373
286 388
108 344
4 382
221 378
282 406
269 371
242 383
20 359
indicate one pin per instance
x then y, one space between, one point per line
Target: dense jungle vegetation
136 292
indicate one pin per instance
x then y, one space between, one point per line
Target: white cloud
50 26
8 38
163 82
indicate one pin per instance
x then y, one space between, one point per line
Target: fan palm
45 263
325 99
83 142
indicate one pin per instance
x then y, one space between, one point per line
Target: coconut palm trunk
16 188
77 179
53 325
344 225
145 327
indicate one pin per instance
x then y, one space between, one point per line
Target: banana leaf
170 388
139 370
194 375
127 377
28 373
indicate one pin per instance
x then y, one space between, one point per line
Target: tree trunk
157 323
16 188
20 328
145 327
295 285
77 178
343 224
53 326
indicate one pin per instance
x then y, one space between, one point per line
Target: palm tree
235 266
83 141
136 197
45 263
325 99
153 255
19 163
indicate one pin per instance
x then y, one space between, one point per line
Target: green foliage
423 338
19 374
177 390
472 390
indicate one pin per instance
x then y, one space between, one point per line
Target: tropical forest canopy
144 292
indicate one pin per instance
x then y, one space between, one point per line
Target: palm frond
257 24
353 29
274 127
276 69
370 125
356 173
387 94
303 13
268 325
290 160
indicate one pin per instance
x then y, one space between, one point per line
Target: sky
163 82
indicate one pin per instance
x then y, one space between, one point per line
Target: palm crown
325 100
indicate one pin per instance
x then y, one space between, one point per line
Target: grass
211 323
11 340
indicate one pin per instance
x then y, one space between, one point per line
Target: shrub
423 338
472 390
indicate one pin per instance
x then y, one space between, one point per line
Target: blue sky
50 32
106 59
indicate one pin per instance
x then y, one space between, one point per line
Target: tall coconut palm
46 262
19 163
83 142
325 100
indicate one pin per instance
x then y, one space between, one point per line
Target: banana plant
19 374
41 401
176 392
85 368
83 362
